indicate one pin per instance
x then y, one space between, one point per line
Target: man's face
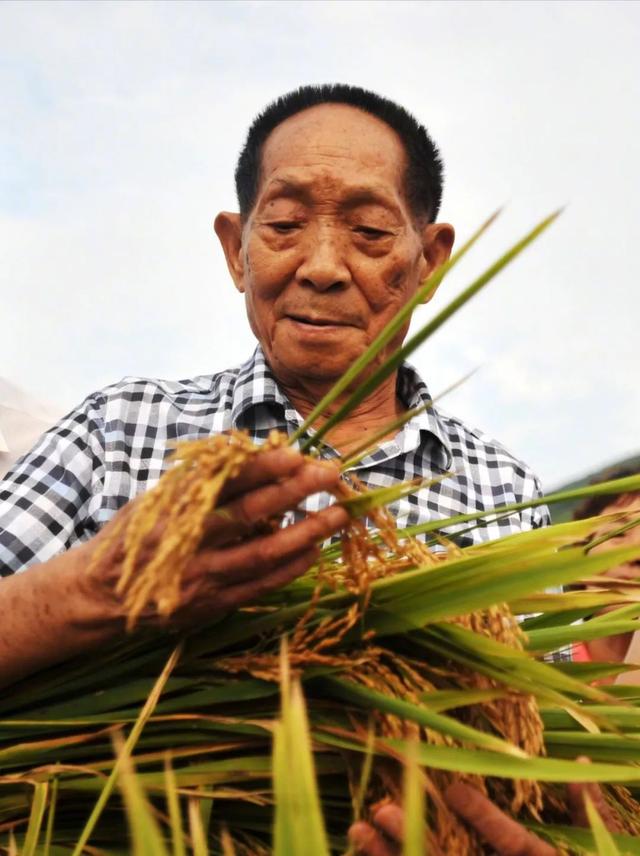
331 250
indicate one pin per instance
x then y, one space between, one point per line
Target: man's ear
437 243
228 228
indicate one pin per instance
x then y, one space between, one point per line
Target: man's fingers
269 501
367 841
254 557
506 836
239 595
262 469
389 818
575 795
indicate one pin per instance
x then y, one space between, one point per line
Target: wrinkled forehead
335 139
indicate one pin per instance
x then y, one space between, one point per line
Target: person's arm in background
52 608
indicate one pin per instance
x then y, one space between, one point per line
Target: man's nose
324 265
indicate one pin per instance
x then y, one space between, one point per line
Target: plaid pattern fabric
116 445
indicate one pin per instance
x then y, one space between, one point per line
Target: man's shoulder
138 388
483 451
136 395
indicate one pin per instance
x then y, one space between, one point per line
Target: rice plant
385 672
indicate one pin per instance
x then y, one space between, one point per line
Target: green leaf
129 745
629 484
363 503
196 827
372 700
145 833
415 826
46 850
484 763
371 443
394 361
557 637
582 839
173 804
601 835
298 815
38 806
391 330
441 700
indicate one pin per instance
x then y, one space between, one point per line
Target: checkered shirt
117 443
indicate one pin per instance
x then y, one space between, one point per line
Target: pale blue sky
121 124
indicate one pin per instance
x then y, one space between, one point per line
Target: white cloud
121 122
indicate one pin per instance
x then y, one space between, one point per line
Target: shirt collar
256 387
413 393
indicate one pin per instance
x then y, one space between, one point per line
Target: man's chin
312 370
322 361
324 368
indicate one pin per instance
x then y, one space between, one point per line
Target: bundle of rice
413 668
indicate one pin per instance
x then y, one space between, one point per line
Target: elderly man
338 192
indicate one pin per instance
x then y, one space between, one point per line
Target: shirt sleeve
538 516
46 497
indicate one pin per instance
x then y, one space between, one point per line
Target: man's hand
58 609
233 565
383 835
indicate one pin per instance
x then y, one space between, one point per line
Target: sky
121 123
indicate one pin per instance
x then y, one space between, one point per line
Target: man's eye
284 227
371 233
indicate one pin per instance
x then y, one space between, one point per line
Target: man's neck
378 410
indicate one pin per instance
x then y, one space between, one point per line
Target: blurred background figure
22 421
625 647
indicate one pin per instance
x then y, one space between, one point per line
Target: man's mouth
312 321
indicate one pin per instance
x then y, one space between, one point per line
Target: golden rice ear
177 507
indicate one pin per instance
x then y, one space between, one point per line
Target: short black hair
424 168
594 505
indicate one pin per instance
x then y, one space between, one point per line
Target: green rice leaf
391 330
173 804
582 840
46 850
394 361
298 816
196 828
484 763
556 637
415 825
370 445
629 484
441 700
362 504
36 816
146 836
601 835
129 745
372 700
